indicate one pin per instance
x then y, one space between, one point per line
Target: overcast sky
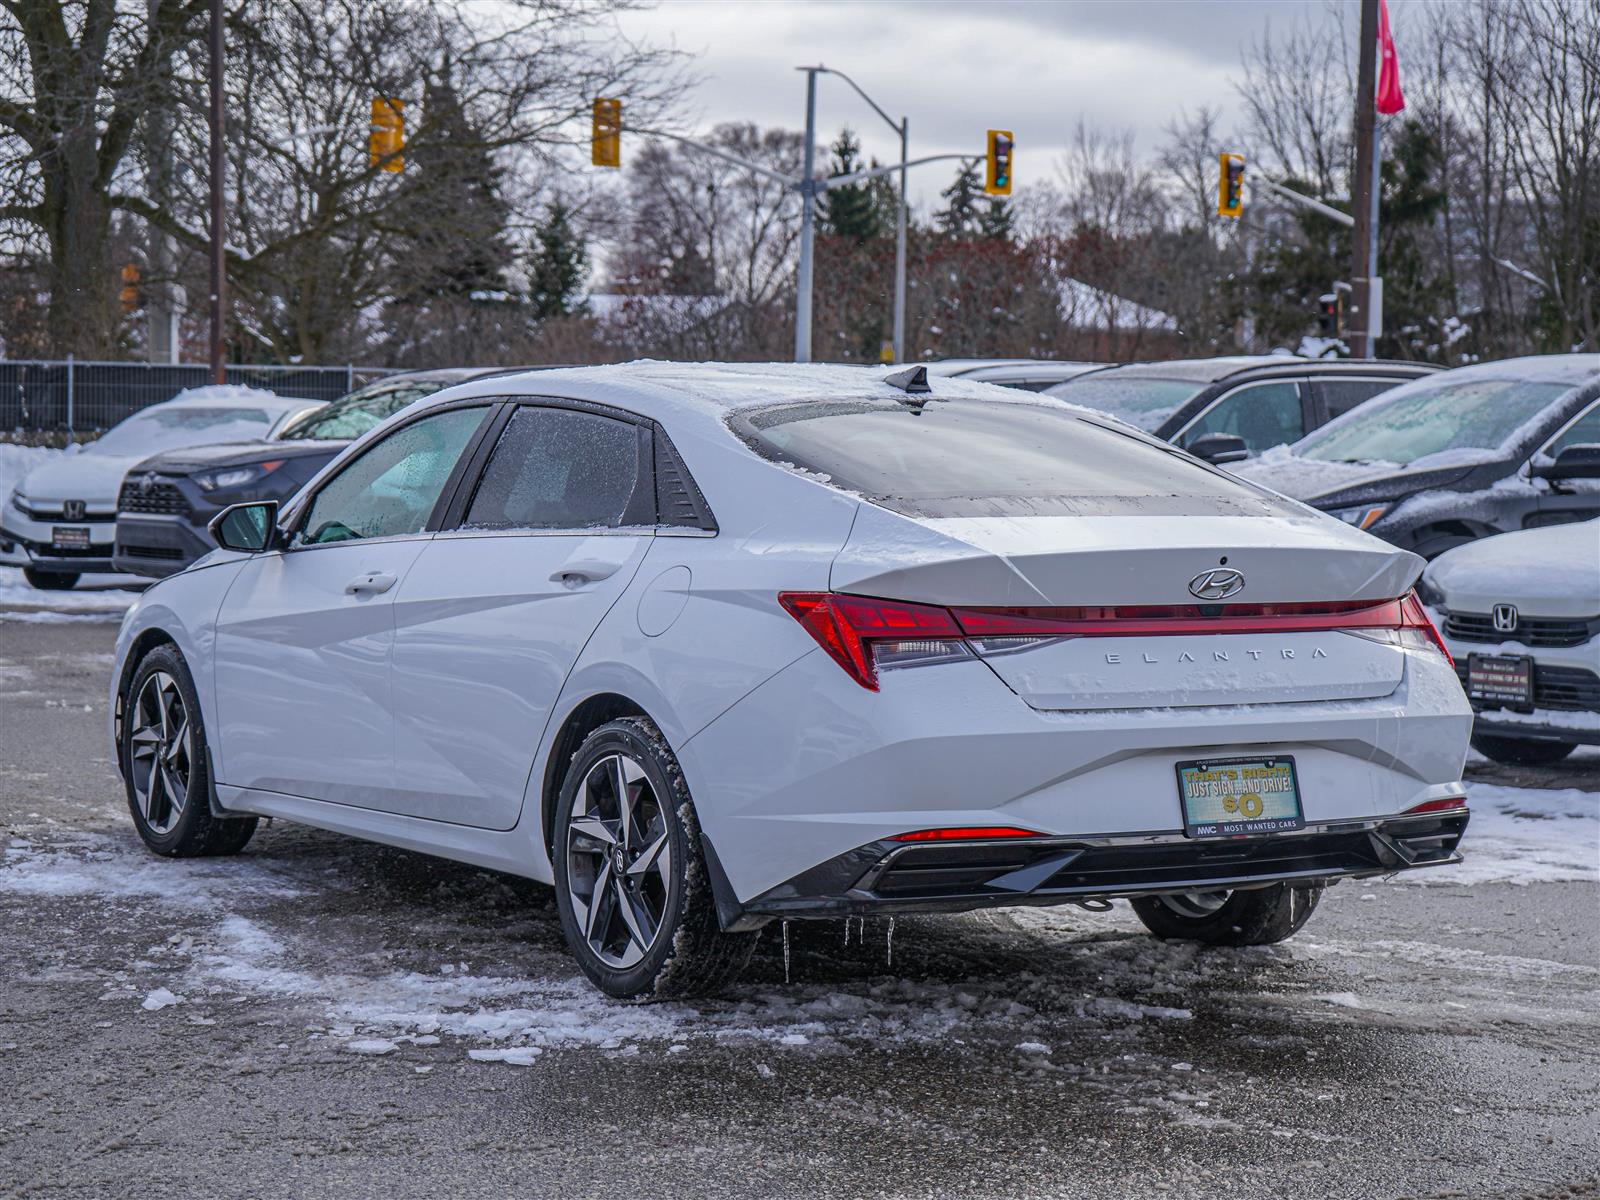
959 67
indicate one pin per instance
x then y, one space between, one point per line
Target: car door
1570 499
305 635
1266 414
496 610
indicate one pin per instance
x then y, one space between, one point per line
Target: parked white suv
1521 614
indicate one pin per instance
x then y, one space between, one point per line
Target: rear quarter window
973 458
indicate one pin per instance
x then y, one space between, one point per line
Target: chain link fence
67 396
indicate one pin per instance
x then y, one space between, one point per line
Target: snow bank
1528 835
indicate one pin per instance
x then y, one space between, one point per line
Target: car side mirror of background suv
1575 462
250 528
1219 448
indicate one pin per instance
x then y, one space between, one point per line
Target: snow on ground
280 927
1529 835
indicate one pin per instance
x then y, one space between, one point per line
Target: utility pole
1364 198
219 229
808 204
161 299
901 217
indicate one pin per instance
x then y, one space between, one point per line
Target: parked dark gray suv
1485 449
167 501
1225 409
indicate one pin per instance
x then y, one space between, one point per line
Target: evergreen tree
959 217
996 221
557 265
456 244
850 210
1415 289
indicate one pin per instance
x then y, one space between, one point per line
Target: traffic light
1230 185
1330 314
387 135
997 181
131 300
605 147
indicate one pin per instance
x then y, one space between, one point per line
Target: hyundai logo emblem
1505 618
1217 584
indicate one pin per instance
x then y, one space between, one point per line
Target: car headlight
1362 516
19 502
1429 594
232 477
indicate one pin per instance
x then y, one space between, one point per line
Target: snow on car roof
1534 368
233 395
704 389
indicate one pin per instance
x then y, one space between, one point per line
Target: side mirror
1219 448
249 528
1575 462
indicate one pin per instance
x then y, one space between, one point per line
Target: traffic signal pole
219 210
808 204
1364 198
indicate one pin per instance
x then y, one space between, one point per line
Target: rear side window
1263 414
560 468
964 458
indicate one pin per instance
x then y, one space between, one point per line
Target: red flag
1389 98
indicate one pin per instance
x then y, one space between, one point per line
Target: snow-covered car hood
1330 484
87 476
1549 572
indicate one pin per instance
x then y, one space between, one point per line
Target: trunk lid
1138 560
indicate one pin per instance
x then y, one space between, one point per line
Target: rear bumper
898 877
809 767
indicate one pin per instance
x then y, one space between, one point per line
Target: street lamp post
808 190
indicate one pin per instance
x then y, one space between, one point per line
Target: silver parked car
705 646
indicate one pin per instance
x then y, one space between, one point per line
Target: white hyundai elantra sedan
705 646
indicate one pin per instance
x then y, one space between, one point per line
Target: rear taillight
1414 616
864 634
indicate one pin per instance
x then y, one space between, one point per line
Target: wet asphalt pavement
301 1022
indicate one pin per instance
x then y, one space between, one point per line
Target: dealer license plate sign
1234 797
69 537
1500 679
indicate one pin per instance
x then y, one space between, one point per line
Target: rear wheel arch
1435 538
589 715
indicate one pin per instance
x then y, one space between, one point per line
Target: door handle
582 571
373 583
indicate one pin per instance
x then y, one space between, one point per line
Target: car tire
166 764
1521 752
656 937
50 581
1245 917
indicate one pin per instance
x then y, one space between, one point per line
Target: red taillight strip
847 626
974 833
1448 804
1128 620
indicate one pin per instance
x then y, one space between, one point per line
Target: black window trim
1302 390
656 453
304 505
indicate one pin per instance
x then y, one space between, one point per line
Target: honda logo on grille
1505 618
1217 584
74 510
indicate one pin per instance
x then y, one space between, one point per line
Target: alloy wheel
619 861
1196 904
161 752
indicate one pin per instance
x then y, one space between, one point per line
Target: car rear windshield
351 416
1431 418
972 458
1140 401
